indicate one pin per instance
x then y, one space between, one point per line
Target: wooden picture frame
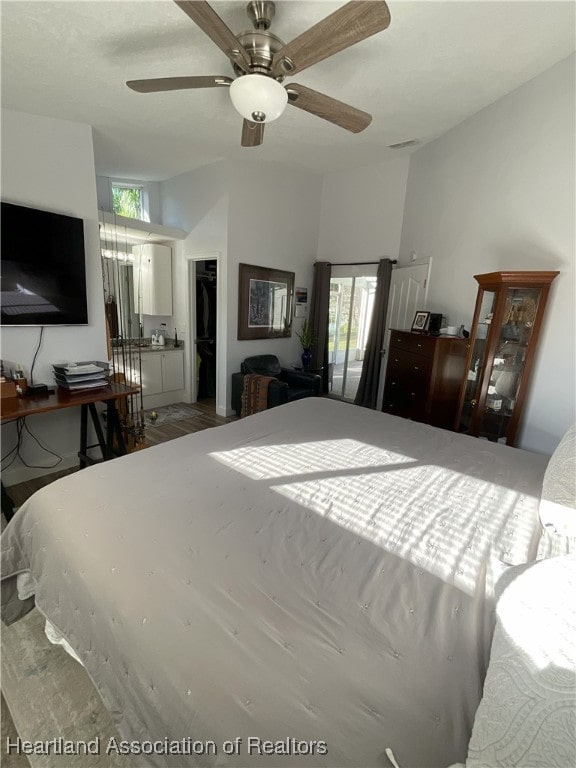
265 301
420 322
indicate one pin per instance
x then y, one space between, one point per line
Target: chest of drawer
423 377
411 342
405 401
409 367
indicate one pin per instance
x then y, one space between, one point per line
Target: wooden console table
14 408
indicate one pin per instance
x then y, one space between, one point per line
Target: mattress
309 585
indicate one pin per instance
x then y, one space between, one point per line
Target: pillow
558 501
527 715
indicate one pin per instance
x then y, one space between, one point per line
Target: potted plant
307 338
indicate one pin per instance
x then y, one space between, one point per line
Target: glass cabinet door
477 360
514 337
505 369
507 322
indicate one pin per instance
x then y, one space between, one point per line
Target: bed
311 585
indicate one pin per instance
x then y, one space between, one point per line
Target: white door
408 293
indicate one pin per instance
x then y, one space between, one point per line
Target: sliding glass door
352 291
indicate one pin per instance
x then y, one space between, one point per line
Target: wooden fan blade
327 108
252 134
347 26
178 83
211 24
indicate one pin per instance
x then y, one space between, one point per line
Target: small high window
130 200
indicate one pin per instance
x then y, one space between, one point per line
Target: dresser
423 377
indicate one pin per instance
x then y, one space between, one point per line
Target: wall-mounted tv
42 267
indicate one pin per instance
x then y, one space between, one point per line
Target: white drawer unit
153 279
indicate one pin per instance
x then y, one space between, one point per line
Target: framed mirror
121 317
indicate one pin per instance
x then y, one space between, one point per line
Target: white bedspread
317 572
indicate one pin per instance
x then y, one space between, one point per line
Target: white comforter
318 572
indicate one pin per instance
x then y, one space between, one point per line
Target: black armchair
289 385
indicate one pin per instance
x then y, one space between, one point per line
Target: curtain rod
355 263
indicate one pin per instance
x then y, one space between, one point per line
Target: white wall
273 222
361 212
264 215
49 164
494 193
198 203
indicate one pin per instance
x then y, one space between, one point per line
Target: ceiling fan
261 61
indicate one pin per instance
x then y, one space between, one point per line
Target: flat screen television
42 268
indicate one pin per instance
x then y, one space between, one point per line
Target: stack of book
78 376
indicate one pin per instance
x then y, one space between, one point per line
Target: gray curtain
318 318
368 387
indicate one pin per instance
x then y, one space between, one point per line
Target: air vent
404 144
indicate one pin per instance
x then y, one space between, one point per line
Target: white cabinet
172 370
151 366
153 279
160 374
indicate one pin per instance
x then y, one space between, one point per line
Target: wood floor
154 436
209 418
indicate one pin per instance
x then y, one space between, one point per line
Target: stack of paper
87 375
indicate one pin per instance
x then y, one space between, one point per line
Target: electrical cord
21 426
48 450
36 355
15 452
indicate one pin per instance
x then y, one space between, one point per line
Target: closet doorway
204 326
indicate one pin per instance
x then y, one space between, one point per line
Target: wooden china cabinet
504 337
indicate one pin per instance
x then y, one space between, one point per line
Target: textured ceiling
437 64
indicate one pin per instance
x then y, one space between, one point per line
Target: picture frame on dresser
420 322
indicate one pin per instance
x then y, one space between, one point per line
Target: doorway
204 362
213 267
352 292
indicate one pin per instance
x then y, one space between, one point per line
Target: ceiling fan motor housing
259 43
261 47
261 13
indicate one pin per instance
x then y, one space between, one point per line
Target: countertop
145 348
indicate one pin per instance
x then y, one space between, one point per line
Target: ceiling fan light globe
258 98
